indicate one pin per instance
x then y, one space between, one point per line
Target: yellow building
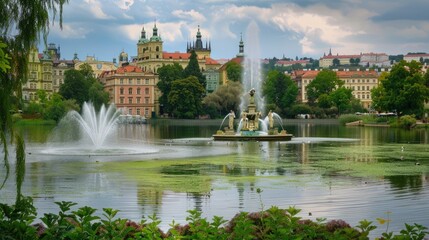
150 54
39 75
97 66
361 82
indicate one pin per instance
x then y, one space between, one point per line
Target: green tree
193 69
233 71
185 97
55 108
75 86
336 62
325 82
21 25
167 74
404 89
223 100
97 95
341 98
279 89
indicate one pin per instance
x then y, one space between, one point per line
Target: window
138 81
146 100
130 81
367 87
121 100
138 100
146 111
358 88
146 81
138 111
130 91
138 91
130 111
130 100
146 90
121 91
121 81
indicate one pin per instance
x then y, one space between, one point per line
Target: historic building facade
39 75
361 82
132 90
150 54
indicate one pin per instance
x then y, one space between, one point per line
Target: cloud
124 4
70 31
191 15
95 8
169 32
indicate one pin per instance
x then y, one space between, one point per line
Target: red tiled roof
211 61
175 55
129 68
417 55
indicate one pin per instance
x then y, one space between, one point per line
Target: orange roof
417 55
211 61
129 68
175 55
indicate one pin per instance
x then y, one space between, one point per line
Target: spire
155 30
143 33
330 52
241 47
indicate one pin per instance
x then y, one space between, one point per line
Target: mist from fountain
96 126
252 74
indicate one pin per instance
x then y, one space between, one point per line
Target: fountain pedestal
250 128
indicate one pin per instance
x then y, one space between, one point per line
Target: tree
167 74
55 108
404 89
341 98
75 86
193 69
185 97
336 62
82 86
279 89
324 83
233 71
223 100
97 95
21 25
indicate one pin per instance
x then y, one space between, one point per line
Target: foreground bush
16 222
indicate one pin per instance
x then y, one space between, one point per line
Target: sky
290 28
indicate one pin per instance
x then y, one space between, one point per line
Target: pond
327 170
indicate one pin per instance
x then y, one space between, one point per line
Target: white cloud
191 15
95 8
169 32
70 31
124 4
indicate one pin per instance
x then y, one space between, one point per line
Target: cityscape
131 79
214 119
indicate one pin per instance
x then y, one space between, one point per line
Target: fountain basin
282 136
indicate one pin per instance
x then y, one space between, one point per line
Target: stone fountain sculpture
251 126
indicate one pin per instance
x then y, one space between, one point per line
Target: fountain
90 134
252 107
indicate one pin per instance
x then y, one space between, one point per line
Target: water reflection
332 171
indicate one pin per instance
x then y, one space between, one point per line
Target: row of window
130 81
130 100
350 80
130 91
146 111
361 88
46 86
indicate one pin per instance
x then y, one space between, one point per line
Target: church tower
197 46
241 47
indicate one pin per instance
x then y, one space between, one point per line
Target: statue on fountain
252 126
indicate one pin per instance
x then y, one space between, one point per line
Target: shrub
348 118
